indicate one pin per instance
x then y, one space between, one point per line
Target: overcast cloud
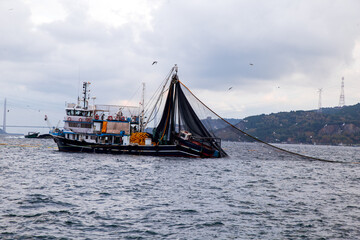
274 54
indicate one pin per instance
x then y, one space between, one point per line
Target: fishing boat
119 129
32 135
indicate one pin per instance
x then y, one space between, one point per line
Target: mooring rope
259 140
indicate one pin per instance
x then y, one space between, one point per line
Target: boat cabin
106 124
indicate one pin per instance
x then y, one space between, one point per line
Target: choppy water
254 194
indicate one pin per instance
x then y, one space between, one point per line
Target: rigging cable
261 141
159 99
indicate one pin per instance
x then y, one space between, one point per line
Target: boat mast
85 94
142 108
4 120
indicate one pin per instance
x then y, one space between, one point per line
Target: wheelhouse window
70 112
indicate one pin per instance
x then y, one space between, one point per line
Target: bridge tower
319 104
342 94
4 119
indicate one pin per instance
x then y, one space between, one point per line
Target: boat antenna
86 94
78 86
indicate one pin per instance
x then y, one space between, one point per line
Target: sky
240 57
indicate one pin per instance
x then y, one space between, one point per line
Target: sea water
253 194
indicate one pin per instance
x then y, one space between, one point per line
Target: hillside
331 126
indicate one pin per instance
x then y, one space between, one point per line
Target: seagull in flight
155 62
230 88
251 64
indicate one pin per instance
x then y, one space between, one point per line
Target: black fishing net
179 117
179 109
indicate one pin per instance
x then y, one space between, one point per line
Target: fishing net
178 109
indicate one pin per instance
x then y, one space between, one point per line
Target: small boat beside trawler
119 129
32 135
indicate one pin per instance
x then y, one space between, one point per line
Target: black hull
68 145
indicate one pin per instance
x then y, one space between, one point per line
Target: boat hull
68 145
